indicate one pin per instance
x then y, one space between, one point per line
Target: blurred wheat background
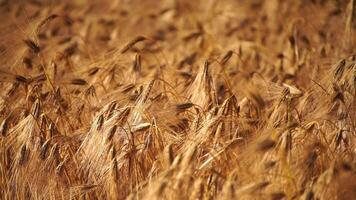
178 99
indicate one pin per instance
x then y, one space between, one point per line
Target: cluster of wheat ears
178 99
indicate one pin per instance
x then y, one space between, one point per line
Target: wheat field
178 99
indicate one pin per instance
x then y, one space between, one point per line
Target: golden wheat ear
201 89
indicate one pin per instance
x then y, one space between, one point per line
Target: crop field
178 99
